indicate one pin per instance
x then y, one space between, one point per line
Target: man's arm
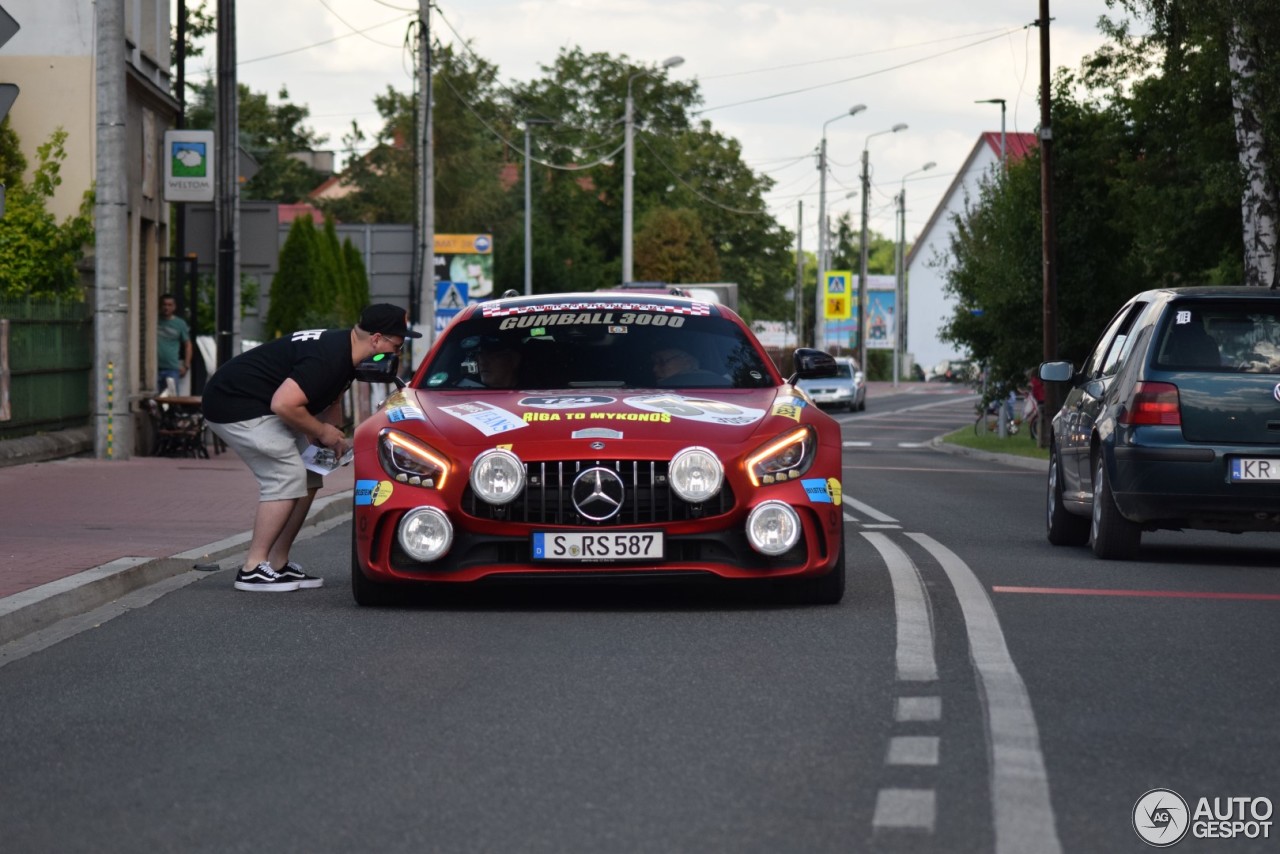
186 356
290 403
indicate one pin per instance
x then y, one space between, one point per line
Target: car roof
1210 292
632 297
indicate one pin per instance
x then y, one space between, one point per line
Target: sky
772 73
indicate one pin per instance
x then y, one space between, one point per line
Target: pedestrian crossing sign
451 295
837 294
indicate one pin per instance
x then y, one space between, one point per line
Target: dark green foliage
39 256
303 292
356 292
671 246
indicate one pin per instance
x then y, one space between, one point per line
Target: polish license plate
1251 468
612 545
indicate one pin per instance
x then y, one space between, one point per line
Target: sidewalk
131 522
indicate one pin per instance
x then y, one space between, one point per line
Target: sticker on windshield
697 309
697 409
488 419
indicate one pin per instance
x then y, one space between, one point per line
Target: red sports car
594 435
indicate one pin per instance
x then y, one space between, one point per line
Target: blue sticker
816 489
404 413
364 491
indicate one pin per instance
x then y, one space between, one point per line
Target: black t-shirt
318 360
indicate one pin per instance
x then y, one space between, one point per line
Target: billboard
466 258
882 314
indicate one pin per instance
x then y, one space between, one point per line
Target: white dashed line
1024 819
857 444
913 750
886 526
918 709
867 510
913 809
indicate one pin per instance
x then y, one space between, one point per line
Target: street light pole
819 309
899 268
629 163
1004 151
528 207
862 264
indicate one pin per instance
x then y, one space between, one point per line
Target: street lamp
528 207
899 268
1004 151
629 162
819 320
862 266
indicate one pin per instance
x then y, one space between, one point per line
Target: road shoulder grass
1020 444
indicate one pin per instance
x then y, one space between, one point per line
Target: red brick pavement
61 517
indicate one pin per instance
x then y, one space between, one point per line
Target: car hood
480 418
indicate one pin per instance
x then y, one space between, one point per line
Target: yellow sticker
382 492
833 489
787 410
503 447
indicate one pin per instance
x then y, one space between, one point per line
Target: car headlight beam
787 457
411 461
497 476
696 474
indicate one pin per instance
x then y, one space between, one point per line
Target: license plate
1247 468
615 545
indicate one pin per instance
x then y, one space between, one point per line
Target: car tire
824 590
367 593
1063 527
1112 536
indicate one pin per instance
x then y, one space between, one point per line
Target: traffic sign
451 295
8 91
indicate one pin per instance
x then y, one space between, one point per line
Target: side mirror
380 368
812 364
1056 372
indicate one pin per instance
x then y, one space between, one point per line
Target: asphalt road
966 696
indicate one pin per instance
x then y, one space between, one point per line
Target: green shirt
171 334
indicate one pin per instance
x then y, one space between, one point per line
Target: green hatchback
1173 422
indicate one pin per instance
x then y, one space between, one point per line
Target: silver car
846 390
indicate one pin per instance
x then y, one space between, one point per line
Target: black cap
387 319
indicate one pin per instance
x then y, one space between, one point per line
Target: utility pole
819 318
862 269
424 319
226 175
112 422
900 281
1053 391
799 271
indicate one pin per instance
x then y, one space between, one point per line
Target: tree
303 292
671 246
357 289
39 257
271 133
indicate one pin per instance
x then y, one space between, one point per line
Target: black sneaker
293 572
262 578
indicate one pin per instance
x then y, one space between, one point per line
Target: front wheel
1063 527
824 590
1112 536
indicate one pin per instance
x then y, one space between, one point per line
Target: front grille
648 499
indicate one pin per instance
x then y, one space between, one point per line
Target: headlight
425 533
773 528
785 458
411 461
497 476
696 474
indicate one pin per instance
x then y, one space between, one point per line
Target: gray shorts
273 452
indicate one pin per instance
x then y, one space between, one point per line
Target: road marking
910 709
887 525
867 510
1153 594
913 809
914 621
912 444
913 750
1024 819
857 444
848 517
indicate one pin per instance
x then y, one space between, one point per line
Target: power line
321 43
697 192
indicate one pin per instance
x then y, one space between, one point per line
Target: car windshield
1221 336
844 371
623 345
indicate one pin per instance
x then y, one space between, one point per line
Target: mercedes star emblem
597 493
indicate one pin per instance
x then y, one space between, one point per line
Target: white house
928 306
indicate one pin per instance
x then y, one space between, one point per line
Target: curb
37 608
46 446
1011 459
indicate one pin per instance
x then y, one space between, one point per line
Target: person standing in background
173 344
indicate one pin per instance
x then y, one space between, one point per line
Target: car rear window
1221 336
603 345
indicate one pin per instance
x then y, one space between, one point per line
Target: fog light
425 534
773 528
